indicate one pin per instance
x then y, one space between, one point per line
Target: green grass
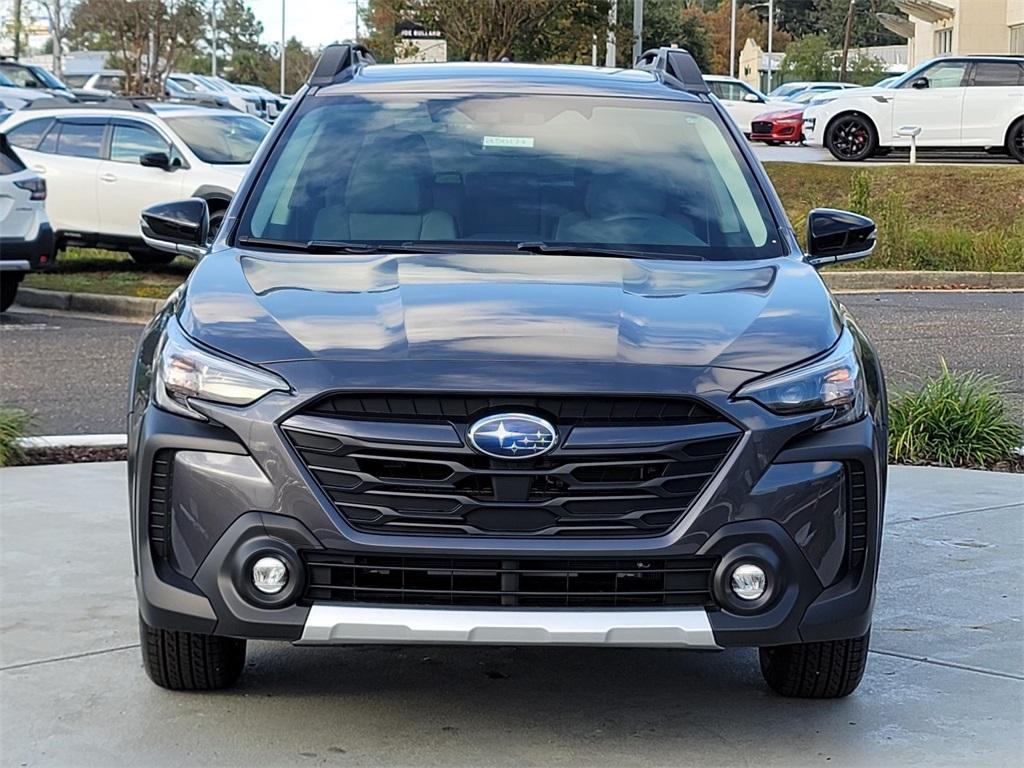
929 217
82 270
13 424
954 419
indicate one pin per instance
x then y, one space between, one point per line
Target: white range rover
104 163
958 101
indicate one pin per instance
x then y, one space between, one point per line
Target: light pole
213 23
771 26
732 42
283 48
638 29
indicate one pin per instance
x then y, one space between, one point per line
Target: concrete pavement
945 682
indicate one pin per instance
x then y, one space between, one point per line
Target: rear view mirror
837 236
179 227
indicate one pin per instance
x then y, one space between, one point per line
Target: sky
314 22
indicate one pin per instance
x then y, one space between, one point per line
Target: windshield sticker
508 141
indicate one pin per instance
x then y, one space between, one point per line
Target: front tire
851 138
825 670
1015 141
189 661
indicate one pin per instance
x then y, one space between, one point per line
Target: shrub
955 419
12 426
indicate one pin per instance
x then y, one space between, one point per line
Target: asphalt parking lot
972 330
944 685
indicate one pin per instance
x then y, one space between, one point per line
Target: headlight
833 381
184 371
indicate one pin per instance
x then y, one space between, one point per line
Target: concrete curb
72 441
94 303
838 280
889 280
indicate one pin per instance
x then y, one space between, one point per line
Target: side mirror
156 160
179 227
919 83
837 236
752 97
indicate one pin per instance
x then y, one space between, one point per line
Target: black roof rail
128 105
677 63
337 59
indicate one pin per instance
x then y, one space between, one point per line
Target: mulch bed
37 456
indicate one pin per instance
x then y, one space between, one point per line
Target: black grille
391 488
761 126
857 496
562 410
533 582
160 503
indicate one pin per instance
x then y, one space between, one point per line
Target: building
754 62
957 27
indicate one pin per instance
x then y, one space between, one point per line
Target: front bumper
239 490
343 624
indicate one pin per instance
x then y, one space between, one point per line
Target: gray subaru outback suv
507 354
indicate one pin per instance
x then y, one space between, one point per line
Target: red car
775 128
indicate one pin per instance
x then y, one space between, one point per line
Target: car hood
755 316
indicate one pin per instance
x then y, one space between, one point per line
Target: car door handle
39 168
108 177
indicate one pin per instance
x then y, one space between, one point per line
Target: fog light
269 575
749 581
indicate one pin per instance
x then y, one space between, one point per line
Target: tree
146 38
809 58
865 70
299 62
239 50
830 20
57 13
718 23
490 30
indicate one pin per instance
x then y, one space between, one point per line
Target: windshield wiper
586 250
329 246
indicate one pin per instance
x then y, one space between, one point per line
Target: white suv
103 163
959 101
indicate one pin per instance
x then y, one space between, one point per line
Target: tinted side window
80 139
996 73
129 142
20 76
27 135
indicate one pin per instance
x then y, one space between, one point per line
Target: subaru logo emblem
512 436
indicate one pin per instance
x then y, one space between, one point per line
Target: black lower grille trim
857 514
160 504
509 583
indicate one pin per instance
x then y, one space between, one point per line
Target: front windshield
185 85
49 78
220 139
497 169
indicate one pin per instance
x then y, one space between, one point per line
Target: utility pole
213 23
846 41
357 21
732 42
609 49
17 29
771 26
283 47
638 29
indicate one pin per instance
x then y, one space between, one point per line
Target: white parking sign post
912 131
